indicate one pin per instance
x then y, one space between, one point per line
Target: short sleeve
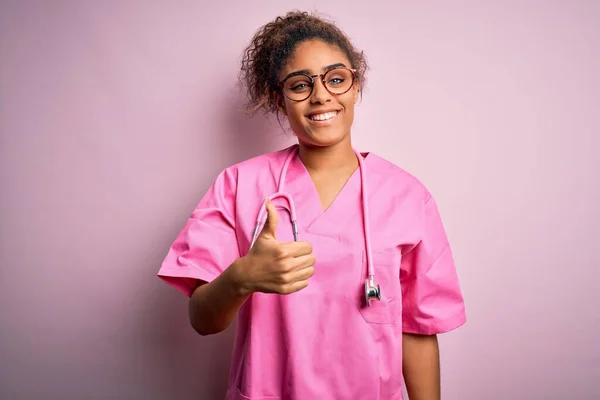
432 301
207 244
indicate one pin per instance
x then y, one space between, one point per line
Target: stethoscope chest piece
372 291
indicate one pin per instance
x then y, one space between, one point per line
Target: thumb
271 222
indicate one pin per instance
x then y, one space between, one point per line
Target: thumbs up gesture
272 266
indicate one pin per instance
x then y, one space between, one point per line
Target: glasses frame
322 79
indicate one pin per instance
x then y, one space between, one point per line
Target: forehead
314 55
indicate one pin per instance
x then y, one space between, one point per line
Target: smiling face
323 119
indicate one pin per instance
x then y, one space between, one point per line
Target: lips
323 115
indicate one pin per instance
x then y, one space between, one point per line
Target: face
323 119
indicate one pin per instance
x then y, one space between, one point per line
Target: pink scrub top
323 342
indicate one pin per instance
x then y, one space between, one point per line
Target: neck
333 158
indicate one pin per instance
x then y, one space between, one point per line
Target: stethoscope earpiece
372 291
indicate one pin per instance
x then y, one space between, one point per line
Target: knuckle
280 267
285 289
280 289
289 267
283 279
280 253
286 266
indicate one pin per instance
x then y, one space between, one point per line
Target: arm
421 366
432 303
269 267
214 305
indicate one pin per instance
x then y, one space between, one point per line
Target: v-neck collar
309 209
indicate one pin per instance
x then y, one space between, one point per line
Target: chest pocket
386 265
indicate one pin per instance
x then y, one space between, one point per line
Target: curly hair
275 42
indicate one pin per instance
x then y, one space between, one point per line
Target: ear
280 101
356 91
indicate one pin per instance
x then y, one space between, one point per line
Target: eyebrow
308 72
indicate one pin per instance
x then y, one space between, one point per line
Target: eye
335 81
298 84
338 80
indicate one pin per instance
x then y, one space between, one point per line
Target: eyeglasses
300 86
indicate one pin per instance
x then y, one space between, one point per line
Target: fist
272 266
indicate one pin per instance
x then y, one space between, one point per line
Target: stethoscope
372 290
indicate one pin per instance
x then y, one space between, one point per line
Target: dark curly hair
275 42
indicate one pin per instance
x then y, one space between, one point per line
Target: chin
322 139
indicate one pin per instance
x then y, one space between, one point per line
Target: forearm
421 366
214 305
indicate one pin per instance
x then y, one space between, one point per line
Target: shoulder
395 178
254 166
260 162
222 193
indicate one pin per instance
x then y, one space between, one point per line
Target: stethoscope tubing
372 290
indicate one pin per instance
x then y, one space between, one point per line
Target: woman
312 320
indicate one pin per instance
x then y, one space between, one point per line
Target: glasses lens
339 80
298 87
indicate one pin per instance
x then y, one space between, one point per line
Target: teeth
324 116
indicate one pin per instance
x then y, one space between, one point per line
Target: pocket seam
392 317
375 258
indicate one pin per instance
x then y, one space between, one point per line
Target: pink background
115 117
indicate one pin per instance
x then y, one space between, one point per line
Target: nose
320 94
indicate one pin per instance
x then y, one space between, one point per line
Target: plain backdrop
116 116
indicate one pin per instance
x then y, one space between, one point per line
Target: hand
272 266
